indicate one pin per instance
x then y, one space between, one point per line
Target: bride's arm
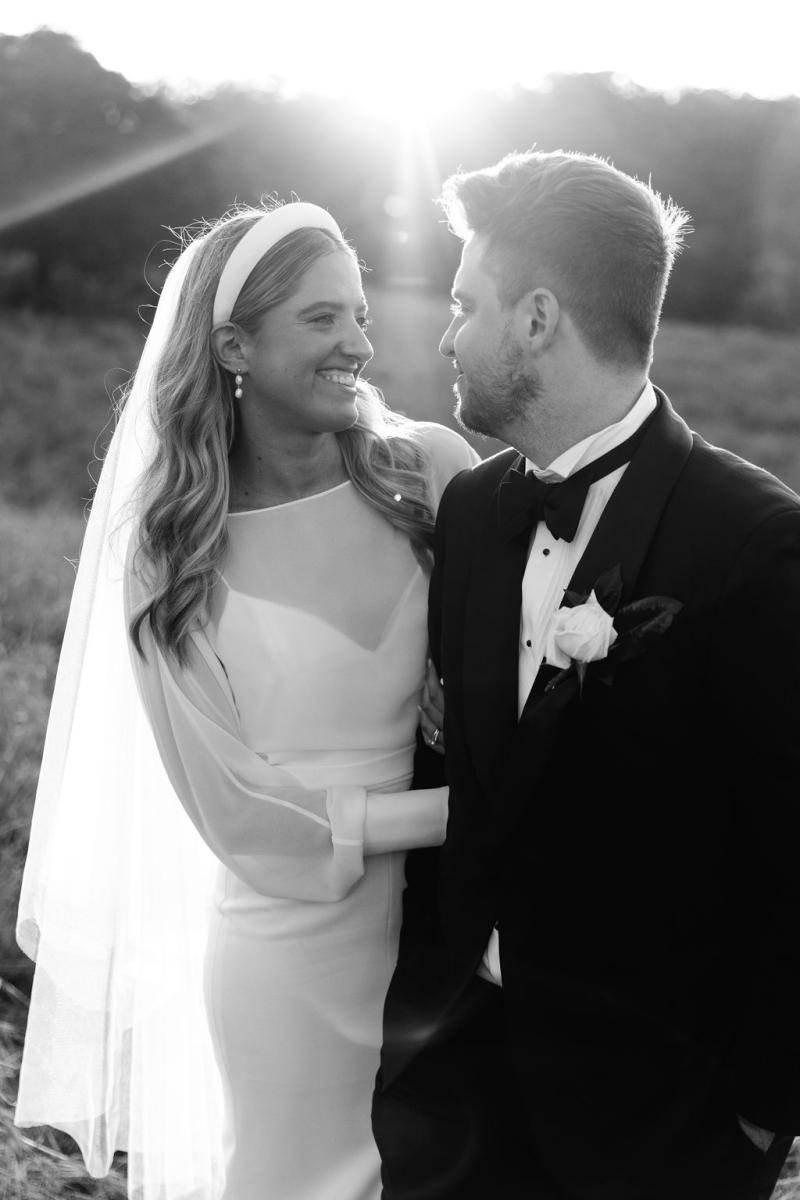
390 818
405 820
280 838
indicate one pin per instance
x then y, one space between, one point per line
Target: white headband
257 241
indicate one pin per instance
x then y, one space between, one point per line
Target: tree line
96 172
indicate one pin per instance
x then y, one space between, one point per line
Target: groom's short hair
603 242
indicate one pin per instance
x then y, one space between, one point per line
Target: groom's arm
758 671
436 589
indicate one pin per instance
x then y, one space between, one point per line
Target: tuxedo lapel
495 735
626 528
491 637
623 535
629 521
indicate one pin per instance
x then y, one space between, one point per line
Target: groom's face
494 385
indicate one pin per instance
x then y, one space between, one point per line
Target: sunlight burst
418 56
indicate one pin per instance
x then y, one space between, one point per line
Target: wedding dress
271 914
317 644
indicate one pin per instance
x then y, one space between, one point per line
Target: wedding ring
435 736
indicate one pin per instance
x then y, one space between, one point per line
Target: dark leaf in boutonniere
640 623
591 633
607 591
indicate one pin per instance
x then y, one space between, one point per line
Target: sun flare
402 59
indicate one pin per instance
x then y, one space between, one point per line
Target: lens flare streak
108 175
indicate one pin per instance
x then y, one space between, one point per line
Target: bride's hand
431 710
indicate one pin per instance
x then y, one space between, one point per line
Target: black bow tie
523 500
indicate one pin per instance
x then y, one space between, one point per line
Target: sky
429 52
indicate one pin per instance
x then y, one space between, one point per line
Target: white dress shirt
551 565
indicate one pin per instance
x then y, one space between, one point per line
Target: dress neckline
248 512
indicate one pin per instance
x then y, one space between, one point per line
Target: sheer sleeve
279 837
449 454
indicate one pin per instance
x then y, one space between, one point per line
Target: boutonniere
593 628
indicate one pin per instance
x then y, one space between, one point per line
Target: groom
598 989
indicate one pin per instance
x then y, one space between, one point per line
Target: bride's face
306 355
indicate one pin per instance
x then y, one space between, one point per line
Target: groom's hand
431 710
762 1138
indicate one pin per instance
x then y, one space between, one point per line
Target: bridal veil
117 887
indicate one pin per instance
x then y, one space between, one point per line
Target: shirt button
545 552
528 643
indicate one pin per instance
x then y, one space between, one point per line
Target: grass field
735 386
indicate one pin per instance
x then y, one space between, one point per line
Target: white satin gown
319 622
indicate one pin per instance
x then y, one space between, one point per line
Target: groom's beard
490 398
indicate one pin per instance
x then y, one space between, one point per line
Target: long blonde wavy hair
184 495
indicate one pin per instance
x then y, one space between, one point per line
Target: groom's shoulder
470 494
732 489
734 520
485 477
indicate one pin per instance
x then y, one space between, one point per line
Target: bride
212 890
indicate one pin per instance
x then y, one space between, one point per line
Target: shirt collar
595 444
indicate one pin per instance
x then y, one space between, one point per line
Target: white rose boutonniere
580 634
594 628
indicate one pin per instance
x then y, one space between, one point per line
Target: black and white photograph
399 602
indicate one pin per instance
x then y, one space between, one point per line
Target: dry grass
35 585
38 1164
737 387
37 551
788 1186
57 376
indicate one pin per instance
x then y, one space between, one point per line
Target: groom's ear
536 319
227 344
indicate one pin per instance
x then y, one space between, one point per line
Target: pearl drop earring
237 379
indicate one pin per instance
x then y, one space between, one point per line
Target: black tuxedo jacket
639 843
